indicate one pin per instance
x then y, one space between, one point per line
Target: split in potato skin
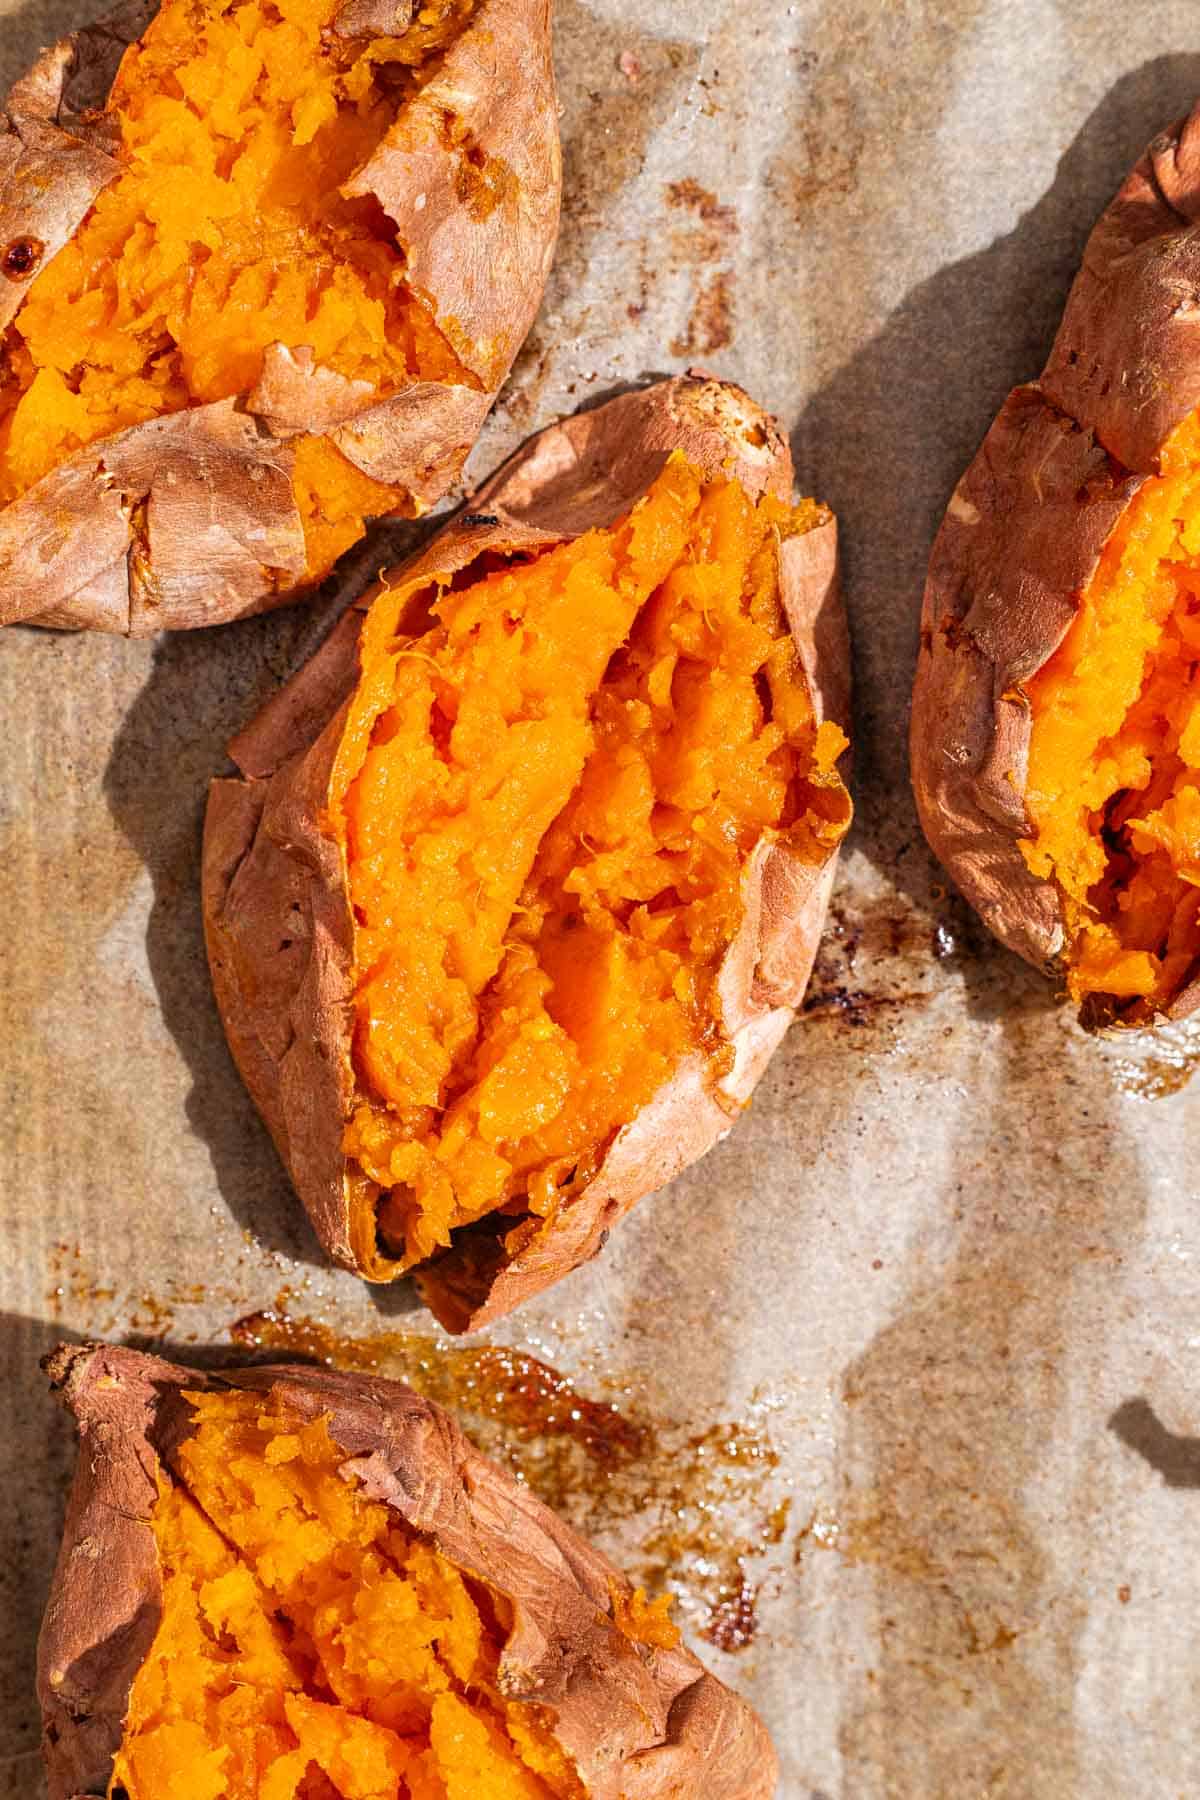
312 1645
224 233
546 800
1113 785
302 1560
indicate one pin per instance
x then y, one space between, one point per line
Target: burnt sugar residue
710 323
529 1398
72 1281
871 963
83 1299
705 245
1152 1065
1155 1077
699 1513
884 957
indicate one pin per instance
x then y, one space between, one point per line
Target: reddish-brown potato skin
640 1723
189 519
1025 529
277 917
1020 538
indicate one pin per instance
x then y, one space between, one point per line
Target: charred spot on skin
482 182
956 635
481 519
21 257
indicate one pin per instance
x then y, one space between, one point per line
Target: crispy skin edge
286 1016
131 535
639 1722
1021 537
1025 529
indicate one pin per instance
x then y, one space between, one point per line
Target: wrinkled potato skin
640 1723
1026 527
189 519
278 921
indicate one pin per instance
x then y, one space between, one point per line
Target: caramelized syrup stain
524 1394
696 1512
72 1280
1152 1066
146 1317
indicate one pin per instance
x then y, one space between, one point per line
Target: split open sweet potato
523 877
263 266
1056 717
293 1584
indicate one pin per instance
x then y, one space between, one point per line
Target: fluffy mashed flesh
225 232
1114 761
311 1646
547 800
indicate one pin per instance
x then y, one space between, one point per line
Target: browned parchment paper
946 1271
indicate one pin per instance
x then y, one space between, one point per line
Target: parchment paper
947 1266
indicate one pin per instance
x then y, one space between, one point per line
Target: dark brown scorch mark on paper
705 241
710 322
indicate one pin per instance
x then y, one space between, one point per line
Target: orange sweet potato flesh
1055 747
310 1643
546 802
225 233
264 295
1114 754
292 1583
522 879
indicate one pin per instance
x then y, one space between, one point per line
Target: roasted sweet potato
523 877
264 267
1056 718
293 1584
